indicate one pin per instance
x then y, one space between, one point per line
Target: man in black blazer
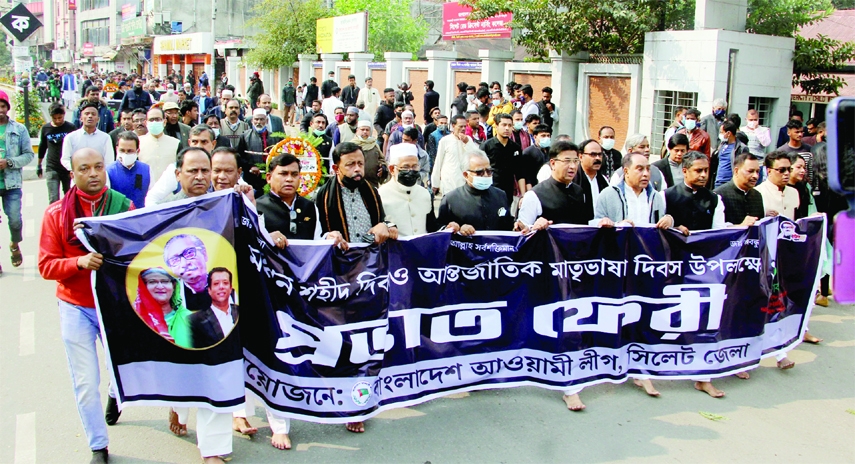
589 177
214 323
672 166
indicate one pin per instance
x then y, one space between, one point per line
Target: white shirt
406 207
530 108
224 318
530 208
452 159
328 106
158 152
545 173
783 202
98 141
758 139
371 98
595 187
637 207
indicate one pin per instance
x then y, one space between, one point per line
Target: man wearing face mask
759 136
432 142
711 123
407 204
406 120
411 137
232 127
699 140
533 158
337 118
611 157
213 122
499 106
477 205
156 148
206 103
128 176
721 163
526 98
329 104
519 130
345 131
136 98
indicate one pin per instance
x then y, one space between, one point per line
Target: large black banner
334 336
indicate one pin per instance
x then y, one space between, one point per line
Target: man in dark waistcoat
743 205
477 205
286 214
693 206
557 200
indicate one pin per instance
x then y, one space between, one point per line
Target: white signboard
23 64
20 51
60 56
342 34
183 44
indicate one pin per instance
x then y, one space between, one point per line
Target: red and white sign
456 26
88 49
72 4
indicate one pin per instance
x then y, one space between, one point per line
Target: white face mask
722 137
128 159
608 144
217 132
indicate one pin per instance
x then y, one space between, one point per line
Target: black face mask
408 178
350 182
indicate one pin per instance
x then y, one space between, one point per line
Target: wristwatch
390 224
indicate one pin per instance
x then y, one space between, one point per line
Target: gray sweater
612 204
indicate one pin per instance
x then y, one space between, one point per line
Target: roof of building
839 26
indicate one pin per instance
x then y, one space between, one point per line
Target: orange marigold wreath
311 167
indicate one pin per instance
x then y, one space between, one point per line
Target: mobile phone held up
840 121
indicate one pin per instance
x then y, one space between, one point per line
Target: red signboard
72 4
88 49
455 26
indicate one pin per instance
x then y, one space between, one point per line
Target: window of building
96 31
93 4
764 106
664 105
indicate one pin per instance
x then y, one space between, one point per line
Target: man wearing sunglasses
778 197
477 205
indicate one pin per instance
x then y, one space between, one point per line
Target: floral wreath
311 168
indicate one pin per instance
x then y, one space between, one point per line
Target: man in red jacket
64 259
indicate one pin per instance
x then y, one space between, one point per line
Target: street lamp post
25 84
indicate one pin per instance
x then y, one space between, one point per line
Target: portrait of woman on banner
160 306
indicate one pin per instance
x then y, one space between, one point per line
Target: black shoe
111 412
100 457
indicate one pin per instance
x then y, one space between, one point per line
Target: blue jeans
80 330
12 208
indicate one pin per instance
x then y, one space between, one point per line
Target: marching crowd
491 161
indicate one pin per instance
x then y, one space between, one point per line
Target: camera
840 120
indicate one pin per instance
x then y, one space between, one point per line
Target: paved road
778 416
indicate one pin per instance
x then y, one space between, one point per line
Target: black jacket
562 204
348 96
482 209
277 216
206 328
582 181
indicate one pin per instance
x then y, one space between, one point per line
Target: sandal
17 257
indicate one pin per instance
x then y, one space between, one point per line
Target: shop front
182 53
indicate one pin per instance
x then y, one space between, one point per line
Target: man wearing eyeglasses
556 200
779 199
591 178
477 205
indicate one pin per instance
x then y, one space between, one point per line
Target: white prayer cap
408 113
398 151
363 123
259 112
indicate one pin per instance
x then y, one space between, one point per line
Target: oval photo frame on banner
184 287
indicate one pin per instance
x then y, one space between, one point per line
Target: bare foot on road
240 424
573 402
355 427
176 427
280 441
647 385
709 389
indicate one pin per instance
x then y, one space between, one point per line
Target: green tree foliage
595 26
5 55
391 27
618 26
287 28
813 59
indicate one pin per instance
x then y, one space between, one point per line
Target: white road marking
28 200
29 228
29 268
27 344
25 438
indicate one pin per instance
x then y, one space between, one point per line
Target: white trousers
279 425
213 431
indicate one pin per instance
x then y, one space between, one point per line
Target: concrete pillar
359 66
439 64
565 83
329 61
306 69
395 68
493 64
721 14
267 80
161 70
233 70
